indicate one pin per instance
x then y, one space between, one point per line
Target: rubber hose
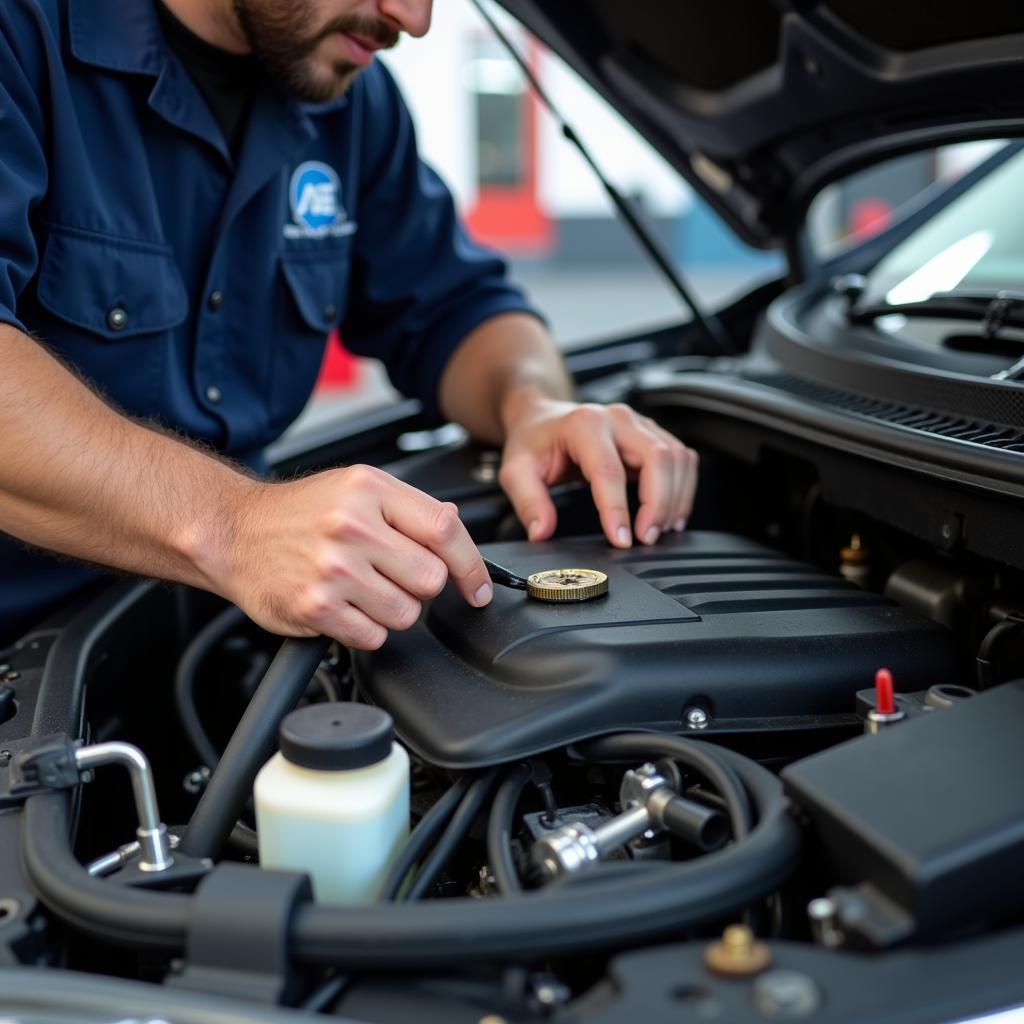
75 996
188 672
624 909
696 754
604 913
985 662
244 840
251 745
499 829
117 913
695 824
422 837
462 821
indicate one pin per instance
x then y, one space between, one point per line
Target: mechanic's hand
349 553
547 443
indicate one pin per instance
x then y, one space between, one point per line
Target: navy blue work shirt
196 291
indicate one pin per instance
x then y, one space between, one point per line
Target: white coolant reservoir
334 802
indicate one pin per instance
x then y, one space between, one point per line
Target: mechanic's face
314 48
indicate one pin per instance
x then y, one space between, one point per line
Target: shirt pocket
113 288
316 283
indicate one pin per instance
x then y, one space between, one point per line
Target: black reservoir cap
336 737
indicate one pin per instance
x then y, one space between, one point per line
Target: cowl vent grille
957 428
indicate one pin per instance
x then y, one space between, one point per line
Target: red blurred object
870 217
511 217
885 699
340 370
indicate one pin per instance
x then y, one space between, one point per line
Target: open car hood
758 103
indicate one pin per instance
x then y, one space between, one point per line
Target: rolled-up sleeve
419 284
23 170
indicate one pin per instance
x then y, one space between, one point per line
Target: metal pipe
151 833
649 802
622 829
111 862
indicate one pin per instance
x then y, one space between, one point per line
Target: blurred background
525 191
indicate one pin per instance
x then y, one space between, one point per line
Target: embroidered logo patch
315 197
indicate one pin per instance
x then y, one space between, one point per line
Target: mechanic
192 194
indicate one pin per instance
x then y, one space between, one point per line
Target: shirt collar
316 109
125 35
119 35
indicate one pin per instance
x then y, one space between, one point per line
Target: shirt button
330 313
215 301
117 319
213 394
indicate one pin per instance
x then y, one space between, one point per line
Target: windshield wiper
994 310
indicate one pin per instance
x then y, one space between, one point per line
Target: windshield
976 244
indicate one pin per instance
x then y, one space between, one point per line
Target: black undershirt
227 81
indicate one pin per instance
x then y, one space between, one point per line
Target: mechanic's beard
276 32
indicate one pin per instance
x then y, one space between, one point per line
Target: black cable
701 756
710 326
985 669
251 745
462 820
422 837
611 910
188 672
499 829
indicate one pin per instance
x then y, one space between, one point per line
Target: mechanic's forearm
499 372
78 478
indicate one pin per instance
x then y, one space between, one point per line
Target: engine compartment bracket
238 934
30 767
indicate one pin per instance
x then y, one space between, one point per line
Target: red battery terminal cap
885 699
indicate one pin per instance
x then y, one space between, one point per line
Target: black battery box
924 822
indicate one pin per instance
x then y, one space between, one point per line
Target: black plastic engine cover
756 639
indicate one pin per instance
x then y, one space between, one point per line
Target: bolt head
786 995
484 474
738 936
9 908
821 909
738 953
550 992
697 718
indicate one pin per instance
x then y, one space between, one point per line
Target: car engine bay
768 775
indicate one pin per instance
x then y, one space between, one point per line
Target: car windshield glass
976 244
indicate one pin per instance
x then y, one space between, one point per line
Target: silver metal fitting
151 834
646 787
877 721
566 850
823 915
644 794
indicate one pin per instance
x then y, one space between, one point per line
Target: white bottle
334 802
